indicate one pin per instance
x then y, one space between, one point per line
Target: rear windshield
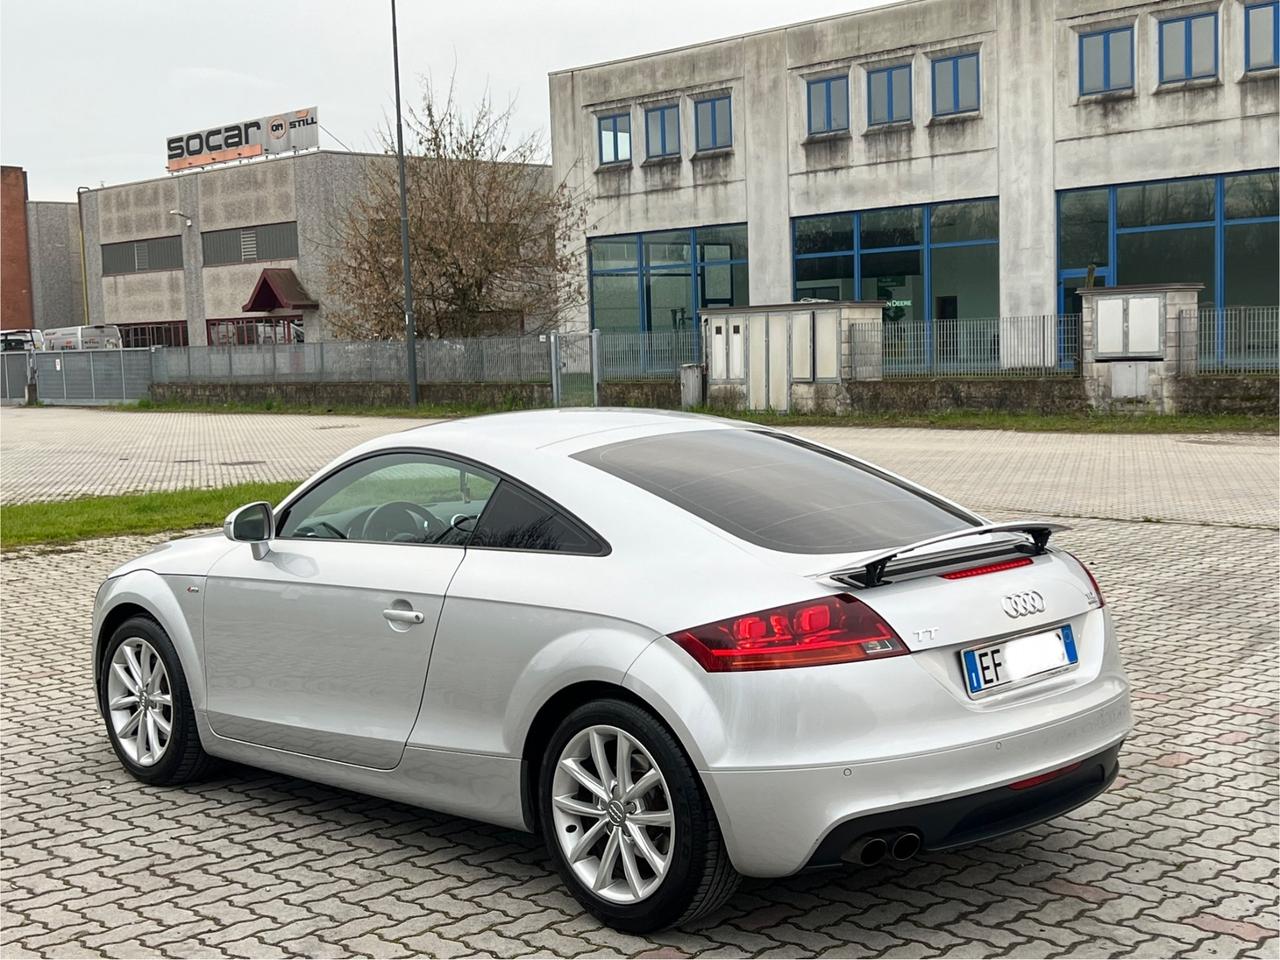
777 492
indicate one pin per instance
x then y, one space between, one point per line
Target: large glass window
955 85
829 104
615 138
713 123
661 280
889 94
1261 35
1189 48
662 131
1106 60
929 264
1219 231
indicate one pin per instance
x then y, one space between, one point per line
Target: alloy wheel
140 701
612 814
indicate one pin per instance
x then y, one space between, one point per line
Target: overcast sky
90 90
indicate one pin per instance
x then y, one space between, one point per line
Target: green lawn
951 420
65 521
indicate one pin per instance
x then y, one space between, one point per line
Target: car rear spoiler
870 571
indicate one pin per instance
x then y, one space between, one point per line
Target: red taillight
1097 590
832 629
1045 777
988 568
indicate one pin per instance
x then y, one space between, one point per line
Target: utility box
1129 326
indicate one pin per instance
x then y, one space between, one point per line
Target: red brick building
15 261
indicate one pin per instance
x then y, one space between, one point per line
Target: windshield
778 492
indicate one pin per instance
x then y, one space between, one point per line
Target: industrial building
953 158
41 271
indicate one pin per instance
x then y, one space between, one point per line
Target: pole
410 330
84 272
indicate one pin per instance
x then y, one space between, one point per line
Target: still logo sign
281 133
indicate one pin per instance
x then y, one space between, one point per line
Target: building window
249 331
270 241
139 256
169 333
933 266
1223 232
889 95
955 85
1262 35
660 281
713 120
662 131
829 104
1189 48
1106 61
615 138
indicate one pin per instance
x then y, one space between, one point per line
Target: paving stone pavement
1218 479
1178 859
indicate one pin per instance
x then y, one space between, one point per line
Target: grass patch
949 420
66 521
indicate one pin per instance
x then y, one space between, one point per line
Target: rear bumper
777 821
976 817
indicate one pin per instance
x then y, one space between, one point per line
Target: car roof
570 429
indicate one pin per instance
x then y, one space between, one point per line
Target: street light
410 330
179 213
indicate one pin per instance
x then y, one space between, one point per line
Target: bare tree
495 245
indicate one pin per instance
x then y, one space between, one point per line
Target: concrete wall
57 289
15 266
1034 134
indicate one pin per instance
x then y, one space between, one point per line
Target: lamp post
410 330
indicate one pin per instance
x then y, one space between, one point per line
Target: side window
517 520
393 498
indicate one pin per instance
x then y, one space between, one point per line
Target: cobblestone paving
1220 479
1178 859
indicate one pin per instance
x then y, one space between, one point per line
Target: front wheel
627 821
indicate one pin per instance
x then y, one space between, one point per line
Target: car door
321 647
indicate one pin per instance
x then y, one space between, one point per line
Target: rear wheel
627 821
147 707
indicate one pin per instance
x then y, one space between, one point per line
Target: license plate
1001 664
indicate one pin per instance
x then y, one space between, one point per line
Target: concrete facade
312 190
57 279
1034 134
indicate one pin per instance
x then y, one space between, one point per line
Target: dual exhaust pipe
874 847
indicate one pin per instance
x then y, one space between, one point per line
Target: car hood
189 556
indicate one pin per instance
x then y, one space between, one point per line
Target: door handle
403 616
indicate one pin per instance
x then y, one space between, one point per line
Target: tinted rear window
516 520
776 492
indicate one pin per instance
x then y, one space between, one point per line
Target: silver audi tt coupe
682 649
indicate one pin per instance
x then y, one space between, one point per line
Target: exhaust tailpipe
867 851
905 845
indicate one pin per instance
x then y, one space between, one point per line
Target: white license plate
1000 664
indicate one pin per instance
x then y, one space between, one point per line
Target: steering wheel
402 522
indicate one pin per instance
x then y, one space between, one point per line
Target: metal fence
1234 339
656 355
1028 346
78 376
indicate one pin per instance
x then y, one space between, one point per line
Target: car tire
696 875
160 758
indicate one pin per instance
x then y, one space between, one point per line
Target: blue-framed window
1106 60
931 264
1262 35
615 138
829 104
956 85
1222 231
660 281
713 123
662 131
889 95
1189 48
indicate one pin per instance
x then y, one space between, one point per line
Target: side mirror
251 524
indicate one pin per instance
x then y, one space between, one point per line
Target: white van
97 337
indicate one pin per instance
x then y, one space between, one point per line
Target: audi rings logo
1023 604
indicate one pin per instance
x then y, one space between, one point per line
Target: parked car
21 340
95 337
683 649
